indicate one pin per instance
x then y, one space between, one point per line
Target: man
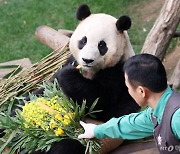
146 80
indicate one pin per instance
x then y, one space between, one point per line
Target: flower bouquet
44 120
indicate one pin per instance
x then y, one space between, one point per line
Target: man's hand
89 130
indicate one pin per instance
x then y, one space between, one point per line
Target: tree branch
163 30
175 78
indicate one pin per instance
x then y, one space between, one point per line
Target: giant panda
100 45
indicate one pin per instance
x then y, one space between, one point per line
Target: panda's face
96 44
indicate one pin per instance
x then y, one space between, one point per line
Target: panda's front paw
68 77
67 72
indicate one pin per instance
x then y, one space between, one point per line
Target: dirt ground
148 12
171 60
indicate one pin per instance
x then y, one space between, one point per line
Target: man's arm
132 126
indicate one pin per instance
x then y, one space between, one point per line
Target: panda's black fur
108 85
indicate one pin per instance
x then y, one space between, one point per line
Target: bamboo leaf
17 145
82 109
53 140
12 73
13 134
87 147
8 66
90 148
93 105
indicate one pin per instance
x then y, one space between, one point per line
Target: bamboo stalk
30 78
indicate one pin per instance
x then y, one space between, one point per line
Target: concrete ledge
25 63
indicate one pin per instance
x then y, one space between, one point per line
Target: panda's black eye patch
102 48
82 42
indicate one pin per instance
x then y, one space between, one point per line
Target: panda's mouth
87 66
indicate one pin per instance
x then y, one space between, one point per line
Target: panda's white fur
97 27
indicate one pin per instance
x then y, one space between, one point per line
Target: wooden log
175 78
163 30
141 146
68 33
176 34
51 37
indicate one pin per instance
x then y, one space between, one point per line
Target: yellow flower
45 127
26 125
66 121
59 131
70 114
52 124
58 117
48 114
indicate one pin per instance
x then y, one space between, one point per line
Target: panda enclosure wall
156 43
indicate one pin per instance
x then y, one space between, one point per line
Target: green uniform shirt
138 125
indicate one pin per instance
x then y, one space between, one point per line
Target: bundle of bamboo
30 78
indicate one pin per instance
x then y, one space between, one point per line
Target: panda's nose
87 61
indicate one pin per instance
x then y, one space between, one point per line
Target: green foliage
24 137
20 18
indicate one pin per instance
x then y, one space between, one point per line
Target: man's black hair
146 70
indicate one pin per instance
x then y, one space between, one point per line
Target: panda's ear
123 23
83 12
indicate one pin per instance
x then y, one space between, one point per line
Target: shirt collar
159 109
